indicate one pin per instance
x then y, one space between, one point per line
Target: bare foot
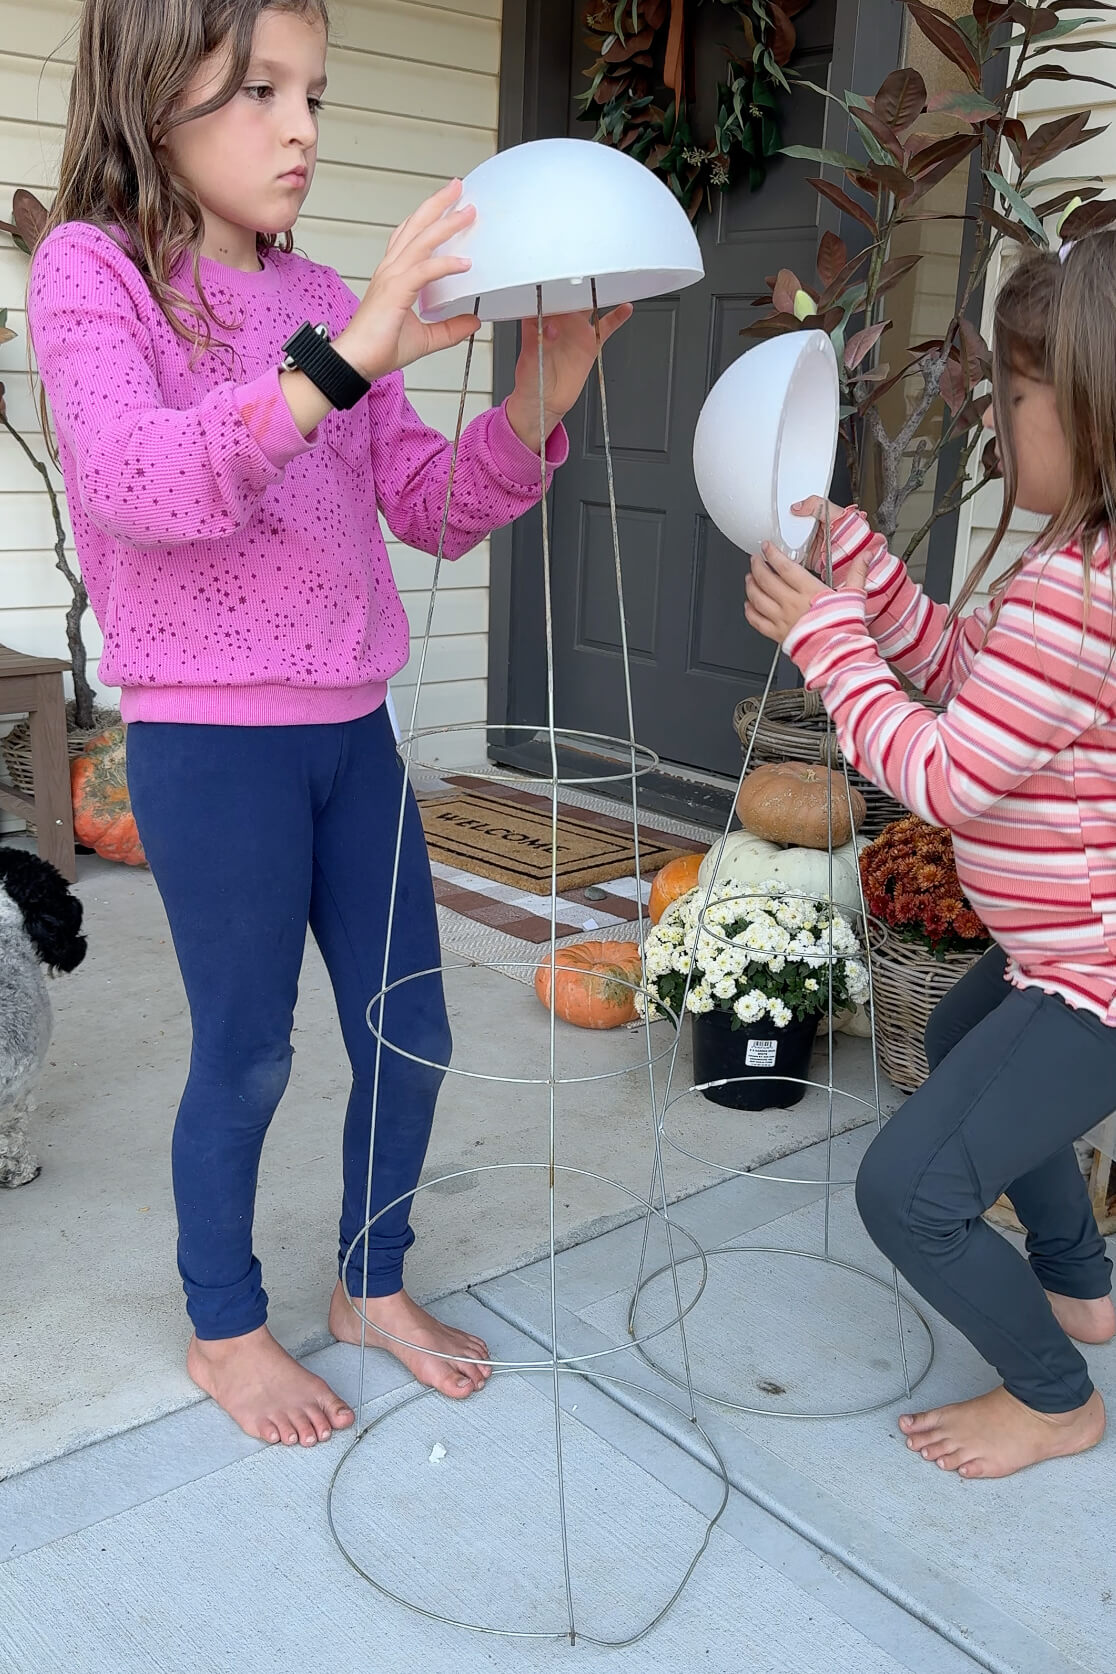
996 1435
1086 1321
268 1393
404 1318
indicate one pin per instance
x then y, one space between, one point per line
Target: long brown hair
135 61
1055 320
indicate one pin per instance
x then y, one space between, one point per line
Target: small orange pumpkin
677 878
103 818
596 984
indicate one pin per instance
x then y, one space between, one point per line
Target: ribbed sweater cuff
514 460
264 412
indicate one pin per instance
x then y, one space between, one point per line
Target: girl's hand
814 507
569 355
385 333
780 592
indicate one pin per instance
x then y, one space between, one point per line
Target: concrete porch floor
140 1530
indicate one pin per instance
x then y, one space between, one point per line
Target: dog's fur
40 925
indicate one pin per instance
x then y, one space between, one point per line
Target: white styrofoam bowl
767 437
558 213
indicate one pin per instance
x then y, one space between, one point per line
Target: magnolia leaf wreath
637 92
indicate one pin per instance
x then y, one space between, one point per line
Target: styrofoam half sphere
767 438
559 213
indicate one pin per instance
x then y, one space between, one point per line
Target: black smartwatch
311 351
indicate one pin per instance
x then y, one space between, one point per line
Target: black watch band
311 351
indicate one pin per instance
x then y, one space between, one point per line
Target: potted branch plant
762 957
924 936
85 719
1000 48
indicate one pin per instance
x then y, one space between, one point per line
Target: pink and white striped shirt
1021 766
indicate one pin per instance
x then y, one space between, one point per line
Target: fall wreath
637 92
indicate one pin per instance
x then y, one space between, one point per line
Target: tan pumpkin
785 802
676 878
103 818
596 984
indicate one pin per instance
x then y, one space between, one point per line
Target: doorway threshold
682 793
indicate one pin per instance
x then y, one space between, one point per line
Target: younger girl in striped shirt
1021 766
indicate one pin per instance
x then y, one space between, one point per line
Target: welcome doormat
495 831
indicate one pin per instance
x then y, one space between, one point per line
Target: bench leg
50 767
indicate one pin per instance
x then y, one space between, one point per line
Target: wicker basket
793 727
907 985
15 747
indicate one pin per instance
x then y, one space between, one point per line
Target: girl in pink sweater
226 511
1021 766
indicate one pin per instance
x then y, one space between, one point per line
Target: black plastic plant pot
752 1059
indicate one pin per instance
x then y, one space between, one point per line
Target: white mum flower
811 985
780 1013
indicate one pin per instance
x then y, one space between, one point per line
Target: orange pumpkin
596 984
677 878
103 818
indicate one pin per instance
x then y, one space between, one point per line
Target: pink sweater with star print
237 568
1021 766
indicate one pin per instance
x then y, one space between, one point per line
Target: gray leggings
1017 1076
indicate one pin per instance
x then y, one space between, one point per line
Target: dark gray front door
693 655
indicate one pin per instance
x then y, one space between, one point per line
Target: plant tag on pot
761 1054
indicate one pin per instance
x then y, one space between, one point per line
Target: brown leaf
1058 72
1053 205
943 33
837 284
6 336
883 132
990 459
772 325
786 287
1053 138
859 346
895 270
1010 229
3 406
976 356
901 99
782 42
1091 217
990 12
30 217
949 151
964 104
623 49
847 205
894 179
832 257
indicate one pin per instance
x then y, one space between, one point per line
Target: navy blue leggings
1017 1076
252 834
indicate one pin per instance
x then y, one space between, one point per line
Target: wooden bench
32 686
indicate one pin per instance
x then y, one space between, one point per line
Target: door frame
536 53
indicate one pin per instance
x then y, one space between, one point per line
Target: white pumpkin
750 860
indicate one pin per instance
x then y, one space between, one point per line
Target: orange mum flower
911 884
